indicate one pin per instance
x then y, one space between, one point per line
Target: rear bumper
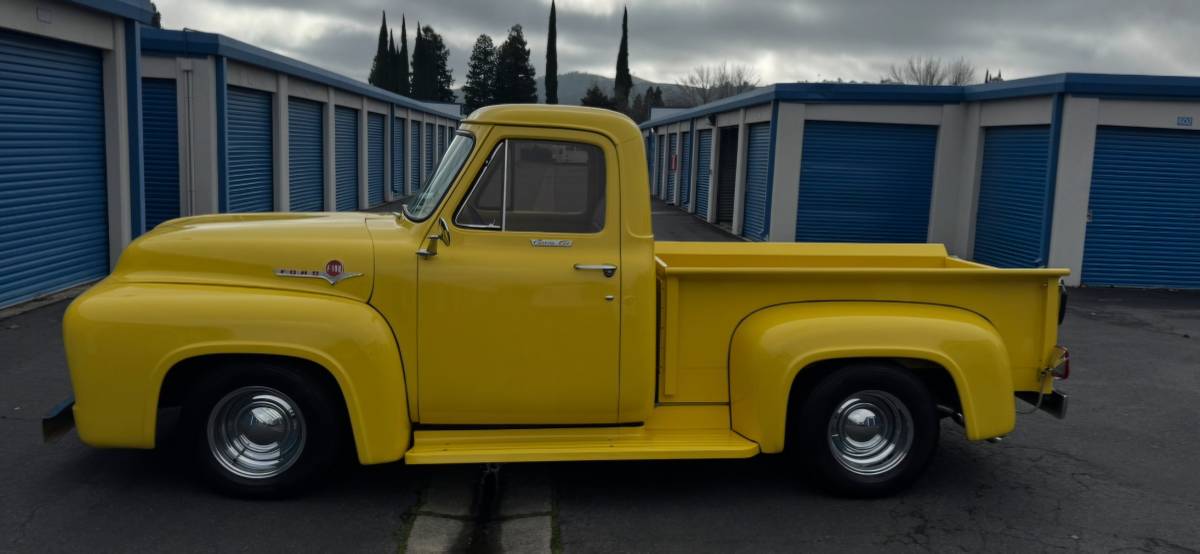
1053 402
59 420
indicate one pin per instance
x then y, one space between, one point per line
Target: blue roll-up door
685 169
306 155
251 161
1010 221
429 146
658 167
375 151
415 164
398 156
758 190
865 182
160 150
1144 209
53 187
649 158
346 163
703 171
672 168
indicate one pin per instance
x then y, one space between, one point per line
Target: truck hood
326 253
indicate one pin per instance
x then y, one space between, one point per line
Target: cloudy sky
785 41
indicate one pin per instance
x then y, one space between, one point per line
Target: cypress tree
403 86
479 89
552 58
379 71
624 81
515 82
392 85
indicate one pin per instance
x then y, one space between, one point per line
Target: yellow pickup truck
518 309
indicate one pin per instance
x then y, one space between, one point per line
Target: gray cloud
786 41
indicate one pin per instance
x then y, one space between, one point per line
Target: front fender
123 339
771 346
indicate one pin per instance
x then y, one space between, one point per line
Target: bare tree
931 71
708 83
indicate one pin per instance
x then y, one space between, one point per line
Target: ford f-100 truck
518 309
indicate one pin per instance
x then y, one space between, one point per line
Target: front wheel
868 430
261 430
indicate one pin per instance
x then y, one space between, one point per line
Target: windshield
430 195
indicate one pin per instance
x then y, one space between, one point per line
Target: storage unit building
268 133
70 92
1095 173
109 127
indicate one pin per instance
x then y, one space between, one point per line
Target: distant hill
573 85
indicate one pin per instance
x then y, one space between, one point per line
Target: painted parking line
489 508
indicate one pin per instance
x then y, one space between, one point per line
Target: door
758 191
251 165
517 319
398 157
160 150
306 155
414 163
685 170
1014 187
1144 209
726 174
865 182
375 150
703 171
346 158
658 167
53 188
672 168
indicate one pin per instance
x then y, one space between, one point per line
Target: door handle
608 269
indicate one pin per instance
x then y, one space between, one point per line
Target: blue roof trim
195 43
1080 84
137 10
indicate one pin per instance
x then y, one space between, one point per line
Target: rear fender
773 345
122 341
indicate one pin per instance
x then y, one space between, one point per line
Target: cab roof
615 125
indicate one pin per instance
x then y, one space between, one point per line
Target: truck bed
706 289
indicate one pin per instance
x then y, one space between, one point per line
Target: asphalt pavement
1119 474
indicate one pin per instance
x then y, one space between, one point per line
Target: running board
575 444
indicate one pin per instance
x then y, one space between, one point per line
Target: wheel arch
777 354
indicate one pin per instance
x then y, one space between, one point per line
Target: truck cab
518 309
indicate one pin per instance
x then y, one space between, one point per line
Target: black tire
814 426
322 430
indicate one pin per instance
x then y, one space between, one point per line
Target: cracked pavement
1119 474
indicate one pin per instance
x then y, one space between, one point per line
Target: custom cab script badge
334 273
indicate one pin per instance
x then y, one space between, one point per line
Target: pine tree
379 70
442 78
515 76
402 84
552 58
624 81
594 97
479 89
422 72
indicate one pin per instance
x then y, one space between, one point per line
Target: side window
539 186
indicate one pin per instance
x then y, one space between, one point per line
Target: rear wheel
867 430
262 430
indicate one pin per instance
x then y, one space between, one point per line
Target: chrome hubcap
870 432
256 432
